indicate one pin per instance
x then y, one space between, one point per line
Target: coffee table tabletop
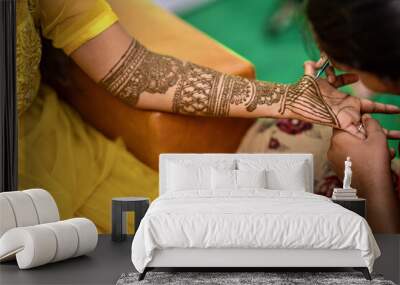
110 259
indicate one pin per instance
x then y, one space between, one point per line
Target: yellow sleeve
71 23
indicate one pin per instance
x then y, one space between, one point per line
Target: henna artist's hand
346 109
371 154
371 176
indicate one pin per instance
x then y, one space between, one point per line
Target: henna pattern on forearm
203 91
206 92
140 70
197 91
266 94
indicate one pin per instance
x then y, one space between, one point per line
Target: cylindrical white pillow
7 218
45 205
87 234
23 208
67 240
26 208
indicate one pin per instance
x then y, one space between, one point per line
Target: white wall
179 6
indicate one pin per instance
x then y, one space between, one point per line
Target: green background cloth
242 27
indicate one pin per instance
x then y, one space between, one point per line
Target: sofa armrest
146 133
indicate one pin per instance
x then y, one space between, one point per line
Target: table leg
140 211
117 222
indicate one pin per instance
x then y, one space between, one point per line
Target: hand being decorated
319 101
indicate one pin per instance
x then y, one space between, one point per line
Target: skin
371 176
371 158
370 80
317 102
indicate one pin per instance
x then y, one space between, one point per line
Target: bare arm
148 80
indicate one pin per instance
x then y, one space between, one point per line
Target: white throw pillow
289 175
251 178
181 177
291 179
223 179
199 161
193 174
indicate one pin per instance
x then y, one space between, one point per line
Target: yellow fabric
28 50
69 24
58 151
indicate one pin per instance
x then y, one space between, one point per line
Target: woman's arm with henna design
196 90
148 80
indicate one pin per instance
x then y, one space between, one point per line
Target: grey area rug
269 278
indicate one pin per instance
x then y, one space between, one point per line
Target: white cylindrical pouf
67 240
23 208
45 205
34 246
87 234
7 218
